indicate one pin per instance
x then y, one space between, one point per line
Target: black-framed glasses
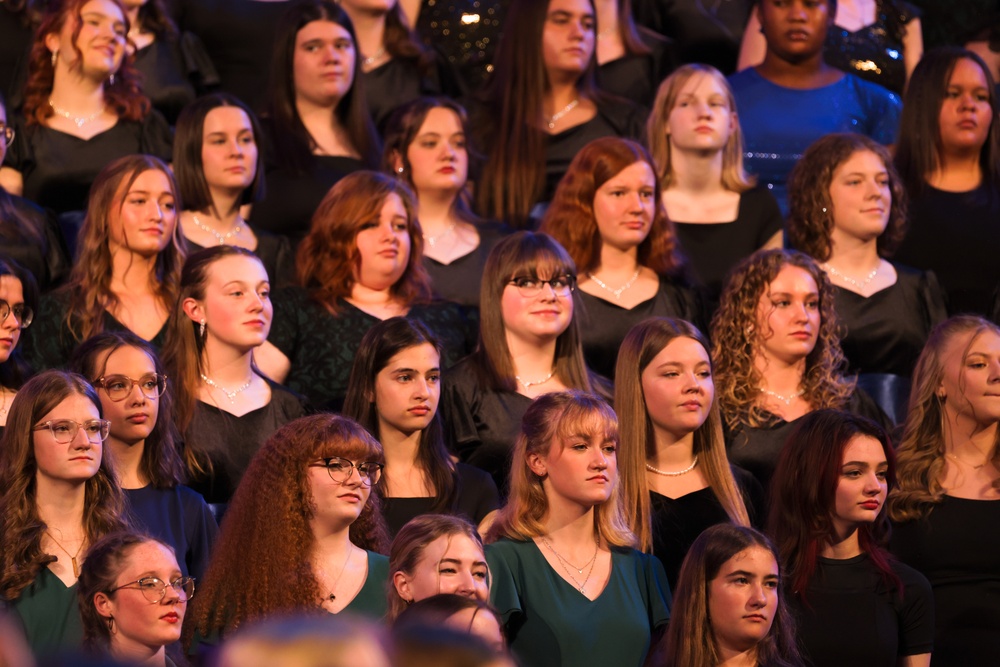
7 132
340 470
22 313
529 287
65 430
154 589
119 387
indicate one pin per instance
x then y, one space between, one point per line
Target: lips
601 479
692 405
447 170
255 323
802 335
140 418
870 504
350 497
756 617
797 35
172 617
420 410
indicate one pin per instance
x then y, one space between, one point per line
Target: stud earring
399 170
111 79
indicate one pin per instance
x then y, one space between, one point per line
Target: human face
101 40
795 29
862 485
3 137
480 623
965 117
970 382
143 219
678 388
408 388
568 37
702 118
370 6
10 329
237 305
449 564
437 155
228 149
537 319
861 197
336 504
624 206
384 246
132 419
141 625
578 470
743 600
788 318
323 64
75 462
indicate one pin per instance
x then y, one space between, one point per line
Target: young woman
529 345
82 108
565 508
132 387
794 76
827 519
316 127
632 59
393 391
606 214
456 612
360 264
427 145
219 170
435 554
542 107
719 213
675 478
948 155
127 268
132 598
306 512
18 300
949 487
729 610
60 495
777 356
225 407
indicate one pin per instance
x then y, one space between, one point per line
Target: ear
103 604
734 122
397 161
52 41
193 309
402 584
537 464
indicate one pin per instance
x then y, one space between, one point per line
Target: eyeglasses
119 387
155 589
65 430
341 470
7 132
22 313
530 287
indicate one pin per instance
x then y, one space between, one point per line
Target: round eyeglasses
154 589
22 313
530 287
65 430
340 470
119 387
7 132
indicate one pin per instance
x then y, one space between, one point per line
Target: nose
466 585
170 595
692 383
9 320
994 370
80 440
758 596
135 395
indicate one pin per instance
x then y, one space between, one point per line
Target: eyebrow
457 561
864 464
414 370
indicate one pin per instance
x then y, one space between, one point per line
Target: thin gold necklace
72 557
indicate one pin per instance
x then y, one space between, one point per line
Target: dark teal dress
50 614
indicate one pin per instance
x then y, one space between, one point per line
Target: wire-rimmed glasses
154 589
119 387
340 469
22 313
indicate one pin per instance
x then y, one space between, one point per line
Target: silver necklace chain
230 394
671 473
787 400
221 238
567 565
860 284
371 60
79 121
333 589
557 116
616 292
533 383
432 240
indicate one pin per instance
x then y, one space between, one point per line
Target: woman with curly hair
565 507
60 494
306 514
675 477
360 264
949 487
128 263
607 215
827 500
83 106
777 356
728 606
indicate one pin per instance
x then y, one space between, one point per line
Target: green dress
49 613
550 623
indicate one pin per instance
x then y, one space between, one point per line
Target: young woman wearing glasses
133 391
59 495
18 299
132 598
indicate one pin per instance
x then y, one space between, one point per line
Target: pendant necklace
616 292
79 121
557 116
567 565
332 596
230 394
971 465
371 60
221 238
432 240
678 473
72 557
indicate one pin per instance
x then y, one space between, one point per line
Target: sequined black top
875 52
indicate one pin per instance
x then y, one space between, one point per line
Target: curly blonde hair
736 337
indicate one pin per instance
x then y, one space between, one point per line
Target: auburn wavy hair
810 220
269 517
921 452
124 96
21 529
737 334
570 218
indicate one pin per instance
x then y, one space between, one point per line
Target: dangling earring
201 329
111 625
111 80
55 57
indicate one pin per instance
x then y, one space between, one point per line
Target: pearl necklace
787 400
616 292
556 117
230 394
221 238
533 383
567 565
678 473
371 60
860 284
79 121
432 240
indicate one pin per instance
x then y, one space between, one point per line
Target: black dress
275 253
174 72
460 280
396 83
955 235
705 32
16 37
321 347
475 497
957 547
179 517
30 236
851 617
636 77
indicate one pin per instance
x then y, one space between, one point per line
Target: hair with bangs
15 371
549 420
571 220
524 254
269 517
810 219
328 258
638 440
734 176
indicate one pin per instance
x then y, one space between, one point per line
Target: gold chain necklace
72 557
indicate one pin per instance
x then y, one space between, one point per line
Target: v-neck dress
49 613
